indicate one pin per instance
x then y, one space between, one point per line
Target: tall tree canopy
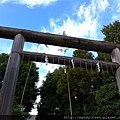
31 90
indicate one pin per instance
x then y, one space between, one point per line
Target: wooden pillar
115 55
11 75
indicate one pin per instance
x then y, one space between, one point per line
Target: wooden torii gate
20 36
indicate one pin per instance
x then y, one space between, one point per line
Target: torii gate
20 36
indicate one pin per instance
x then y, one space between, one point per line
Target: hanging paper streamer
64 70
98 67
46 60
72 63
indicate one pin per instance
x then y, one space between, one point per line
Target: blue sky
79 18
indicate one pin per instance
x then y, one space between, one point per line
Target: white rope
27 80
26 83
69 96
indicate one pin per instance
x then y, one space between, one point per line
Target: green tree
82 83
112 32
3 63
31 90
108 100
107 96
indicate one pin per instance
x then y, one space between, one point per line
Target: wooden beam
11 76
62 60
115 55
59 40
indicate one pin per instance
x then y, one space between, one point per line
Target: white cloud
74 28
116 10
102 4
3 1
30 3
6 45
86 23
117 5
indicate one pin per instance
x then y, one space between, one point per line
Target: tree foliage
107 96
112 32
31 90
82 83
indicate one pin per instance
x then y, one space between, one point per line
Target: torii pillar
7 91
115 55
